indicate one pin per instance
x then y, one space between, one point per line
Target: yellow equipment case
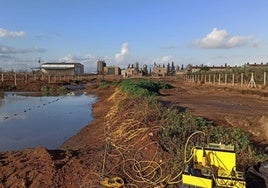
213 166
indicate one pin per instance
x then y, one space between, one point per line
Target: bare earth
226 106
76 162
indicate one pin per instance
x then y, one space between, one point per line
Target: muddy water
28 121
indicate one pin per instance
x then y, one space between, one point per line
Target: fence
252 79
16 78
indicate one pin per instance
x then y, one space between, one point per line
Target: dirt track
76 162
225 106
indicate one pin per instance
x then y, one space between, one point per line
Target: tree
204 68
189 68
168 69
173 70
145 70
137 66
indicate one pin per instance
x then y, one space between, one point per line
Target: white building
62 68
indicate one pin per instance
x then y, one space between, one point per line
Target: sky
122 32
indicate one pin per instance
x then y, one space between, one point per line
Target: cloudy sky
122 32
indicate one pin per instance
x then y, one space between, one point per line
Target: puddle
28 121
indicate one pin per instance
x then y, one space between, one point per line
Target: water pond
28 121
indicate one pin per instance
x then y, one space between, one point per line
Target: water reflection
29 121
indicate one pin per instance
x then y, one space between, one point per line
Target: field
123 139
226 106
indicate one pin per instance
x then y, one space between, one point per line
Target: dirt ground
76 162
225 106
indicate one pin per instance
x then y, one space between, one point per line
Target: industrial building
109 70
62 68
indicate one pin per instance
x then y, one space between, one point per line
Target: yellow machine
213 166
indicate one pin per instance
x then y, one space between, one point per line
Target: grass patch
143 88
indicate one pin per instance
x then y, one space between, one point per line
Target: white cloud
220 39
12 34
12 62
119 57
11 50
89 61
163 60
77 59
68 59
166 59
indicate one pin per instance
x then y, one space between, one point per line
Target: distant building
257 65
129 72
108 70
111 70
134 71
192 69
100 66
62 68
160 71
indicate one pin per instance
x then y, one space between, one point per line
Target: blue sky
122 32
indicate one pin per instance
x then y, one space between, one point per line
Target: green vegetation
103 84
142 87
50 90
176 126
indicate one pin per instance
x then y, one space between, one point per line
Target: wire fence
244 79
16 78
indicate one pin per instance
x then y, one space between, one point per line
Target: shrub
142 88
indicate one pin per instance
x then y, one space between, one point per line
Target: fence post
233 80
2 77
242 78
264 78
214 79
26 78
205 80
15 79
225 79
48 78
219 79
252 82
209 78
